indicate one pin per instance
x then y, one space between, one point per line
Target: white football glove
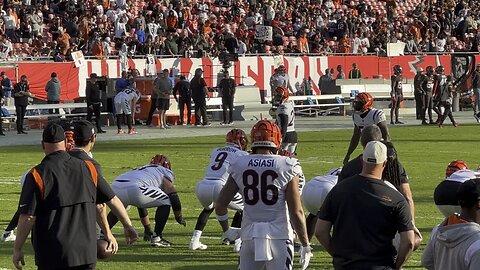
232 234
305 255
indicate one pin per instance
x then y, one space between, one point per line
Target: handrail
116 57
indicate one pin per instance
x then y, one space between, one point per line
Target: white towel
263 250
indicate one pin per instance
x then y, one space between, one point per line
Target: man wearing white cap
366 213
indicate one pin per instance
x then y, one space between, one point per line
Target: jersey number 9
268 193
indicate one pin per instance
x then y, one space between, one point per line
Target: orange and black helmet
281 94
454 166
363 102
161 160
266 133
70 141
237 137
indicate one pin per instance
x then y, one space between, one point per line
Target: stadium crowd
102 28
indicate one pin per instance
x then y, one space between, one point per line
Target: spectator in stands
53 92
21 92
354 73
184 99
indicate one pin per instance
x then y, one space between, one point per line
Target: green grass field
424 151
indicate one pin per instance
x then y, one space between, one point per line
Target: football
102 251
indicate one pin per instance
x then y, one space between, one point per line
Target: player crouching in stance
151 186
365 115
216 175
313 195
269 184
286 119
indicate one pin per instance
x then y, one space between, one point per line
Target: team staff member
84 136
354 73
419 93
184 98
53 92
61 213
366 214
396 94
21 92
199 94
163 86
94 101
227 90
428 85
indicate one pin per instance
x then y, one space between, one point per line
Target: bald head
369 134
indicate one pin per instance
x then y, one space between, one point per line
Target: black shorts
163 104
291 137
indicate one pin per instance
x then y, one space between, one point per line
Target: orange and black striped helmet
237 137
454 166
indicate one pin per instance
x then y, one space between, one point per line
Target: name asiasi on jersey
261 163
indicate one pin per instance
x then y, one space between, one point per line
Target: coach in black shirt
93 94
21 92
58 203
184 98
366 214
227 89
199 94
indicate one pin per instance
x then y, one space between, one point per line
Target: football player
365 115
269 184
216 175
428 83
445 195
440 83
286 119
123 106
151 186
314 194
396 94
280 79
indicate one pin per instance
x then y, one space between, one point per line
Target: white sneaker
476 117
237 245
194 245
8 236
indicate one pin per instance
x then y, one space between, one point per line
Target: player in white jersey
286 119
279 79
123 106
269 186
151 186
314 194
365 115
216 175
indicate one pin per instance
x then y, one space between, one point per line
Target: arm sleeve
29 196
428 253
402 173
104 191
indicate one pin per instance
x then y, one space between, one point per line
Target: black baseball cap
83 130
469 193
53 133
